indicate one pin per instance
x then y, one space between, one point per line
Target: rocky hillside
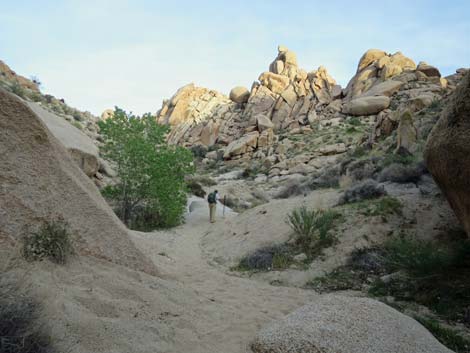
289 100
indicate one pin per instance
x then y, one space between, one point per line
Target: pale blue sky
99 53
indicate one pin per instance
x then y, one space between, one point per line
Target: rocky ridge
255 125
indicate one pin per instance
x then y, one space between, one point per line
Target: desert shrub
336 280
448 337
354 121
329 177
368 189
402 173
312 228
51 241
195 188
273 257
363 168
383 206
17 89
398 158
418 258
20 331
293 188
77 125
434 275
199 151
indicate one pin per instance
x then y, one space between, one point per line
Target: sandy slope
97 306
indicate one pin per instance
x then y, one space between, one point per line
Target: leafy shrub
152 173
52 242
312 228
368 189
20 331
400 173
77 125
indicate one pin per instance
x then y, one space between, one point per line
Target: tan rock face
428 70
447 152
107 114
239 94
407 133
47 183
242 145
12 76
275 83
366 105
374 68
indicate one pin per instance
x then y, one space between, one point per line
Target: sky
97 54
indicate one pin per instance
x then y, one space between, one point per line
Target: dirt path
229 310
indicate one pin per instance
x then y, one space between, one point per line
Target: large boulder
82 148
334 324
239 94
242 145
447 152
367 105
428 70
40 181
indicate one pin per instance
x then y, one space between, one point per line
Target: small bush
312 228
448 337
18 90
418 258
293 188
384 206
51 242
400 173
20 331
199 151
400 158
77 125
269 258
365 190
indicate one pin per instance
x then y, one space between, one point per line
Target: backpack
211 198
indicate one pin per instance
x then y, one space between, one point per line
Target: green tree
151 191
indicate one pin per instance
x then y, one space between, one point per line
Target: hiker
212 199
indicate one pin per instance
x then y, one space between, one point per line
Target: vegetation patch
151 192
20 331
367 189
51 241
312 229
277 257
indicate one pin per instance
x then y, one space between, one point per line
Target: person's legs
212 207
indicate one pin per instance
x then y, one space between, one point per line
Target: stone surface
263 123
428 70
366 105
40 181
239 94
82 148
447 152
333 324
242 145
407 133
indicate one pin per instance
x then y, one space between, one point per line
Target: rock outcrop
288 99
80 146
11 76
447 152
40 181
346 324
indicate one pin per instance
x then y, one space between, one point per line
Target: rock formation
40 181
447 152
346 324
9 75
